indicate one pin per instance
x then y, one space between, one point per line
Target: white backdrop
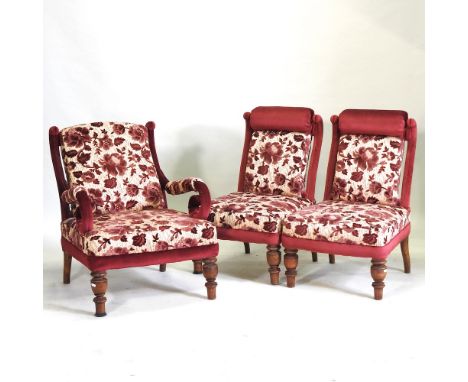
195 66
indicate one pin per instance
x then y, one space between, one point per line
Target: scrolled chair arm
79 196
199 205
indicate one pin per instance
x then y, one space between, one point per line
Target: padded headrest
282 118
373 122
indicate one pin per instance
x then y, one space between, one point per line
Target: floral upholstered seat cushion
252 212
277 163
347 223
113 162
127 232
368 169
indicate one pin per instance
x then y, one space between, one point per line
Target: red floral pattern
277 163
368 169
129 232
347 223
248 211
69 196
182 186
113 162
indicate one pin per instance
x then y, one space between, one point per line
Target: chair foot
314 257
210 271
274 260
290 262
162 267
247 248
331 258
197 267
406 255
99 287
67 260
378 273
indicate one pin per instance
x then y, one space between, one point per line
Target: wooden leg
210 271
314 257
247 248
67 260
406 256
290 262
162 267
99 287
197 267
331 258
378 273
274 260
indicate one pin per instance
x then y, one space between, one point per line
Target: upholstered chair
275 178
114 208
366 207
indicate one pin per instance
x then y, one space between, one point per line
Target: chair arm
199 205
79 196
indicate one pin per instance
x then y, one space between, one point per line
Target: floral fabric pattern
113 162
252 212
69 196
347 223
182 186
368 169
128 232
277 163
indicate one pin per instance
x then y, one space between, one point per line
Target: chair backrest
115 162
367 154
277 151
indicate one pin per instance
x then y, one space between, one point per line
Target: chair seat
347 223
253 212
128 232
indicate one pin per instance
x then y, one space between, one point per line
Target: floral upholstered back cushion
277 163
113 162
368 169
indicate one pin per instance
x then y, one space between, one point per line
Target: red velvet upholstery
95 263
282 118
373 122
365 165
361 123
112 232
347 249
279 141
314 127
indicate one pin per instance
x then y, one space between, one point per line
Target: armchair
363 214
114 209
275 178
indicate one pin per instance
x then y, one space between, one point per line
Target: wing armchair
114 209
275 178
363 214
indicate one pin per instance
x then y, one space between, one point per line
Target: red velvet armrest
199 205
79 197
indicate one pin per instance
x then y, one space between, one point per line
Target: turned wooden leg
331 258
290 262
210 271
162 267
99 287
378 273
406 256
247 248
274 260
197 267
314 257
67 260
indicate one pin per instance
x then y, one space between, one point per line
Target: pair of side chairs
114 206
